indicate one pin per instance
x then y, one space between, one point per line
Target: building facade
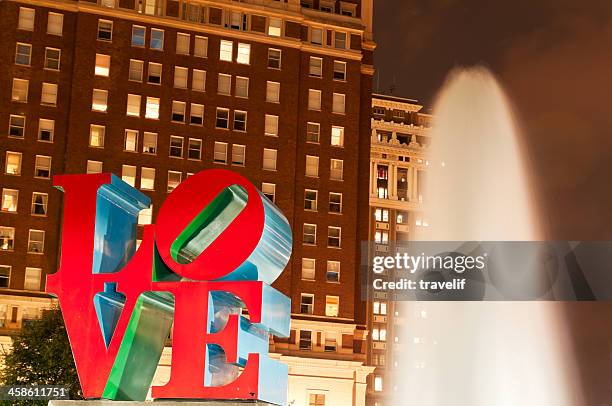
400 136
155 90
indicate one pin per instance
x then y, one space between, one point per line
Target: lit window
379 308
10 198
99 100
238 154
20 90
157 39
182 43
314 99
236 20
271 127
5 276
128 174
242 87
220 153
151 7
379 334
269 190
274 27
269 159
332 303
198 80
178 111
316 36
55 23
102 65
42 167
96 135
308 269
336 170
23 54
174 179
105 30
16 126
306 307
94 166
149 143
39 204
224 84
381 215
333 271
136 70
52 58
46 129
13 163
194 149
176 147
145 216
131 141
337 136
32 279
226 50
274 58
222 118
240 120
333 237
339 70
200 48
49 94
338 103
335 202
340 40
7 238
26 19
196 114
133 105
154 73
180 77
305 343
312 166
316 67
378 386
108 3
152 108
244 54
310 234
313 131
147 178
138 36
273 92
310 200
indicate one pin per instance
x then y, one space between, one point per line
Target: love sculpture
202 273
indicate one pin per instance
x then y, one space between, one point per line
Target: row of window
42 165
20 90
332 272
36 240
332 304
23 56
32 279
334 235
55 21
10 199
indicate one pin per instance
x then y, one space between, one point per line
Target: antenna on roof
393 86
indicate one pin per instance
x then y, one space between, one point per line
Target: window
46 129
310 200
194 149
340 40
145 216
154 73
314 99
379 334
196 114
182 43
313 131
16 126
49 94
99 100
152 108
128 174
176 146
42 167
337 136
338 103
310 234
378 386
330 345
180 77
333 237
306 307
151 7
226 50
316 67
238 154
308 269
379 307
312 166
222 118
105 30
224 84
274 58
133 105
333 271
55 23
138 36
178 111
32 279
149 143
20 90
198 80
274 27
108 3
305 339
13 163
26 19
220 153
39 204
339 70
96 135
157 39
271 127
10 198
335 202
244 54
94 166
102 65
200 48
236 20
269 190
136 70
316 36
273 92
381 237
381 215
7 238
240 120
174 179
242 87
23 54
52 58
131 141
337 169
5 276
332 303
269 159
147 178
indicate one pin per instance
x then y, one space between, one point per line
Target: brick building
154 90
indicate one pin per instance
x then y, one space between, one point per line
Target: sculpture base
159 403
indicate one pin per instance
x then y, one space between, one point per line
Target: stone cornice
400 128
396 105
